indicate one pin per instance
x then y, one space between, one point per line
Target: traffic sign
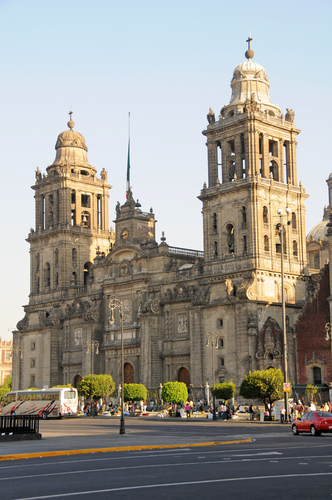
287 387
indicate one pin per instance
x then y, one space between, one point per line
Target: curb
119 448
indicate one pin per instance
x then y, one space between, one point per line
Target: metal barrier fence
20 424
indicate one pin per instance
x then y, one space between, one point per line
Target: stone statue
290 115
118 209
103 175
38 175
211 117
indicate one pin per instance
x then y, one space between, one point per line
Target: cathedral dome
319 232
71 149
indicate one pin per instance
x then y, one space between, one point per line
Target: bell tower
72 221
252 174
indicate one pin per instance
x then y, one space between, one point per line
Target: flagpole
128 160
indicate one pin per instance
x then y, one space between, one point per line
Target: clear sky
166 63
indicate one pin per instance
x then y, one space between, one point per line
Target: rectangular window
33 346
220 343
32 363
8 356
32 380
73 198
219 323
85 201
222 361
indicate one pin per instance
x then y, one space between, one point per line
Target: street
275 464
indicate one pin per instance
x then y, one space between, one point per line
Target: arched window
87 273
245 245
74 255
47 275
74 279
317 372
56 257
266 244
295 248
50 220
230 238
293 220
265 215
244 215
128 374
215 243
37 284
183 376
214 222
56 279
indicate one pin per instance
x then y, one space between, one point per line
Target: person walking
187 409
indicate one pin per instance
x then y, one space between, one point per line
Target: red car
314 422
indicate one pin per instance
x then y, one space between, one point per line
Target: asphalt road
274 465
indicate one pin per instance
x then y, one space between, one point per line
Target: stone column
238 156
281 160
265 158
212 162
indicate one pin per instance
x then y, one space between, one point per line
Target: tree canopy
61 386
6 386
311 390
264 385
134 392
174 392
225 390
100 387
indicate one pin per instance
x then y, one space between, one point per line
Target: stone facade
6 353
171 297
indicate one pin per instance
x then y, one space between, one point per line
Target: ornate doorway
183 376
128 373
77 380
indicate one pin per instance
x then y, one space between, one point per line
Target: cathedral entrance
128 373
77 380
183 376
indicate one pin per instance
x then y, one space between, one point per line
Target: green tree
264 385
225 390
61 386
174 392
311 390
134 392
6 386
100 387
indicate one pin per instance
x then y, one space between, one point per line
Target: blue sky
166 63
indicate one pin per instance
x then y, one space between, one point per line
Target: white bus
45 403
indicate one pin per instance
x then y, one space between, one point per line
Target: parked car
314 422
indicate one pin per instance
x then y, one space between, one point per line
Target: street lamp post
117 304
92 345
17 351
283 305
213 338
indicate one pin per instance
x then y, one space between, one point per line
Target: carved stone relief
182 324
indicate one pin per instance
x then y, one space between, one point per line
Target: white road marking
168 485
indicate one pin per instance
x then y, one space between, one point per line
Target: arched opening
215 248
270 356
245 248
274 170
74 278
295 248
265 215
47 275
183 376
266 244
293 220
230 238
56 257
244 215
87 273
85 219
74 256
128 373
77 380
214 222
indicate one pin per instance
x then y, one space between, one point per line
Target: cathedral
168 299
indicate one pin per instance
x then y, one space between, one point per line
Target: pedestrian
282 414
187 409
